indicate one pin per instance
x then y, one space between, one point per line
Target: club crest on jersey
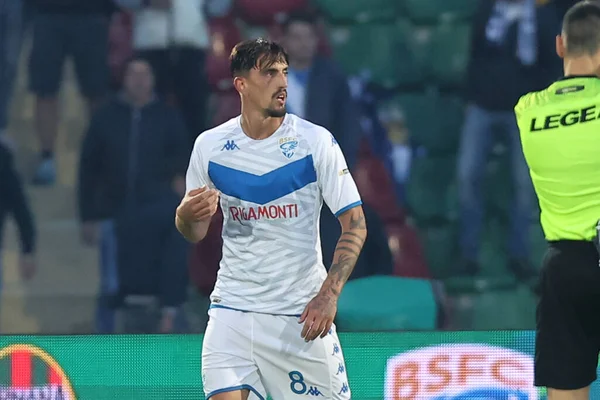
288 146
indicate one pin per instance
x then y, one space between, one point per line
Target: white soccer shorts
265 353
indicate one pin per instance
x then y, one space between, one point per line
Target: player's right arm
197 207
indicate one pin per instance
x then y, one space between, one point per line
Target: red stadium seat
409 260
224 34
227 106
217 73
376 188
265 12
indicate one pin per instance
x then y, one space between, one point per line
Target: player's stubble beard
277 112
272 113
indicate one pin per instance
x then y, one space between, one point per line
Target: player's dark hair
581 27
301 17
256 53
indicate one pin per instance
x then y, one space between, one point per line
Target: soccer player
271 317
560 129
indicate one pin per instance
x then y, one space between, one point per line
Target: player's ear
560 46
239 84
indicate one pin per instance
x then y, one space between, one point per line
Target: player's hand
89 233
27 266
318 316
198 205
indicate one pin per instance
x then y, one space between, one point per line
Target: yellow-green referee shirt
560 134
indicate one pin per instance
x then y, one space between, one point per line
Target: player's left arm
341 196
349 246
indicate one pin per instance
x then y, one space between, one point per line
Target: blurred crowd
418 94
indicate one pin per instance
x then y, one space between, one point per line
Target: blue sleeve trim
233 389
348 207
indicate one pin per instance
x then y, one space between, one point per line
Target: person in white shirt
173 36
271 318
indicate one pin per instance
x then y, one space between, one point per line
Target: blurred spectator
317 90
120 49
320 93
133 161
10 44
512 53
173 36
64 28
13 201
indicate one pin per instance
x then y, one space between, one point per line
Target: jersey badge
288 146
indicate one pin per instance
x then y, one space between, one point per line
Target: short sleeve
335 181
196 176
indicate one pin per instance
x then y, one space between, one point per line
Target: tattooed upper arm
353 219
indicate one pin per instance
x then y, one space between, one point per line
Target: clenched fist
198 205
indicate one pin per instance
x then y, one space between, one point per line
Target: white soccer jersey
271 197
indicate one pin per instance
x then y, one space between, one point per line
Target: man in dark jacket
130 181
317 90
512 53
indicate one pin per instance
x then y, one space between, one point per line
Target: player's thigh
227 364
292 368
579 394
567 331
234 395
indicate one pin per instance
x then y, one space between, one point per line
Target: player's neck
581 66
256 126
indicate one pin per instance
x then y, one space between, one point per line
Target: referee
560 135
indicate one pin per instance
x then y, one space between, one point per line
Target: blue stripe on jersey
262 189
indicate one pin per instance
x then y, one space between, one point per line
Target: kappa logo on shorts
314 391
340 369
336 349
344 389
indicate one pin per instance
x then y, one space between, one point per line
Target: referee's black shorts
568 316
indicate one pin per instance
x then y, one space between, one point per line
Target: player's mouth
281 97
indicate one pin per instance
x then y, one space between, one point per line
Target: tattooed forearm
346 254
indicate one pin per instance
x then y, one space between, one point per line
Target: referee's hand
198 205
